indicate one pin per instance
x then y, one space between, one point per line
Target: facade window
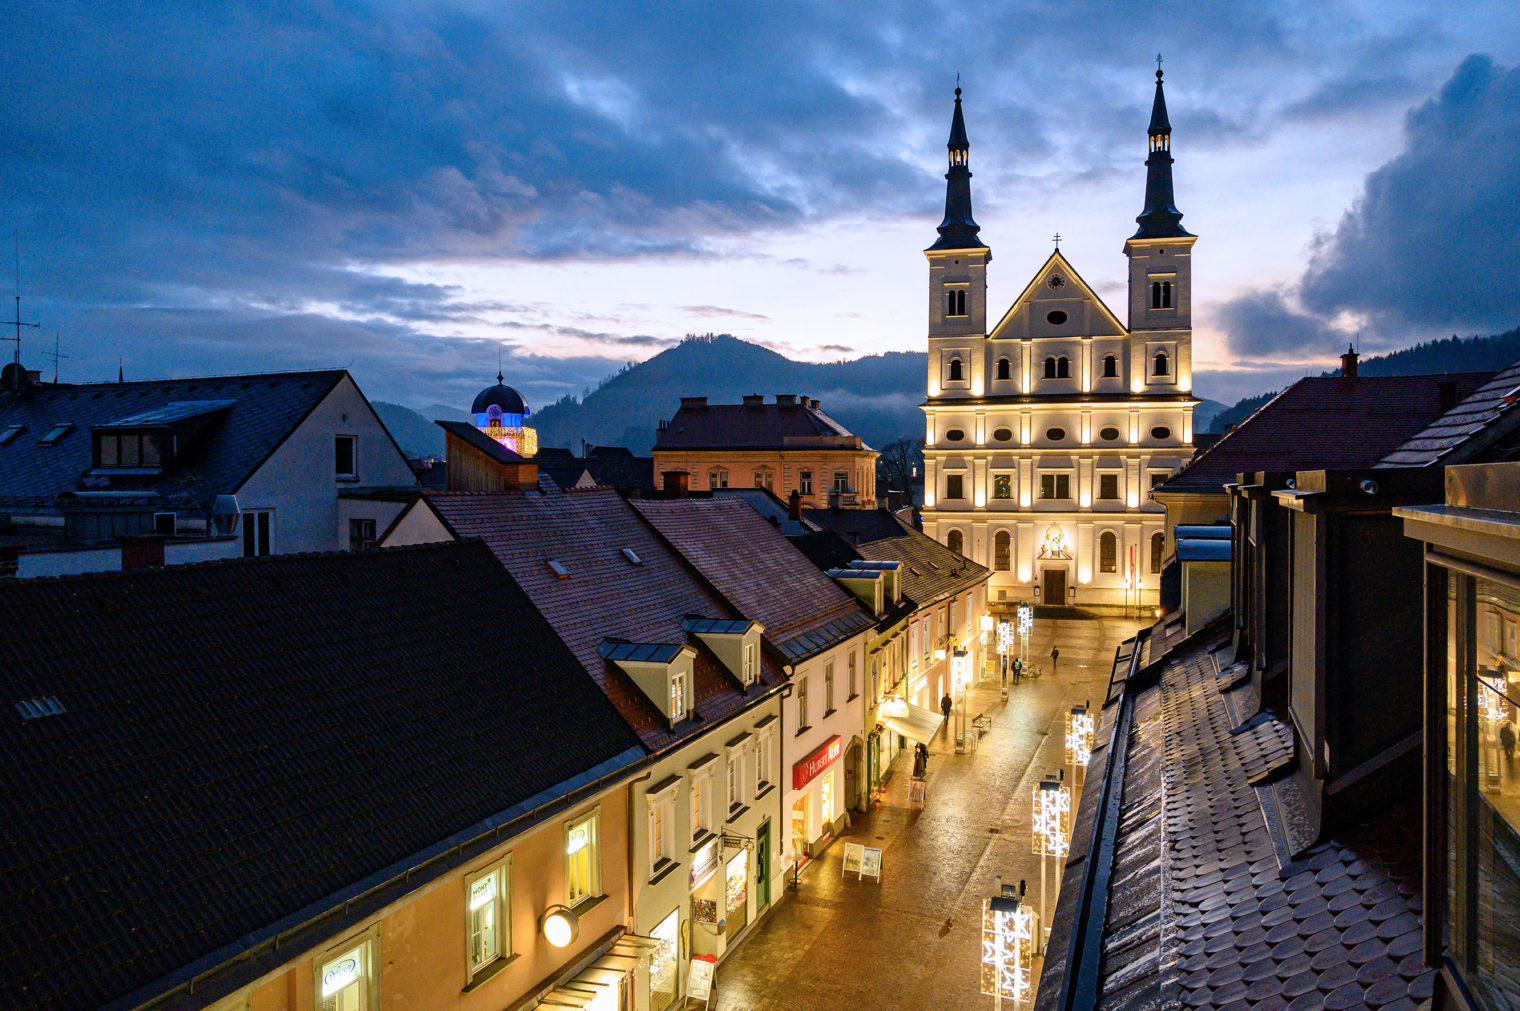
361 534
1063 368
1002 486
346 457
1108 552
841 481
751 663
1055 486
765 478
955 542
1050 367
1109 434
805 483
802 705
1110 367
1161 294
1055 434
955 374
765 750
487 904
258 532
1161 366
717 478
735 780
955 303
701 803
851 686
954 486
927 638
1002 551
677 698
1004 369
1108 486
127 449
1158 548
828 688
583 858
348 976
662 811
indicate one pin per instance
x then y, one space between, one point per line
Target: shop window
955 541
583 858
348 976
1108 486
665 961
1108 552
1002 486
487 904
1002 551
1158 548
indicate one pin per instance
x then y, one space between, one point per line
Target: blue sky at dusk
403 188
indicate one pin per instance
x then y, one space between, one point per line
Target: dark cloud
1262 322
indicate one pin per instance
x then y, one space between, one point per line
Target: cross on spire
1058 241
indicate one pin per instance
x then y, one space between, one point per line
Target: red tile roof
1323 423
760 572
604 594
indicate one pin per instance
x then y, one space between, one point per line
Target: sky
417 190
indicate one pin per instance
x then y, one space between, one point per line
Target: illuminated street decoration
1079 736
1008 943
1491 700
1052 818
1026 619
501 413
1005 637
960 670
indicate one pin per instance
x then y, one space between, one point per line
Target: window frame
715 475
660 811
1106 563
252 536
366 941
356 540
1002 551
1058 481
593 819
801 700
828 689
1105 478
1005 478
501 869
699 802
680 703
852 669
959 487
805 481
353 443
749 665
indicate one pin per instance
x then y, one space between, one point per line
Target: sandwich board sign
699 978
853 853
870 862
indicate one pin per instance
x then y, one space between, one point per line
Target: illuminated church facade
1046 432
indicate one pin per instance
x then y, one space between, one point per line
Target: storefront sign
821 758
699 978
703 862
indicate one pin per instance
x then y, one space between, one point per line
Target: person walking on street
1507 742
1055 655
945 705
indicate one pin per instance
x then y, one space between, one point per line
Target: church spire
1160 219
958 230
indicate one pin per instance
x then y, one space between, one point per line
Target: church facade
1046 432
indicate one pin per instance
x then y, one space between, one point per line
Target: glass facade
1480 928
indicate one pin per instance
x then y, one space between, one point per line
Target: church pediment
1057 303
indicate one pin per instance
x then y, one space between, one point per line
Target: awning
919 724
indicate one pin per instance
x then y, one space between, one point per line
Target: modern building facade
1046 431
786 445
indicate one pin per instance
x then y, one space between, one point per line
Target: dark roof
609 467
504 397
930 571
717 626
1465 429
224 724
263 411
604 595
1323 423
639 652
1236 919
826 549
1204 531
474 437
753 426
759 572
1199 549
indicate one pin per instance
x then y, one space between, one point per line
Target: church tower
1160 273
957 279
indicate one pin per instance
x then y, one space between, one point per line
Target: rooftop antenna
55 354
17 321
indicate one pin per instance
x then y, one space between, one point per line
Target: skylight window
56 432
35 709
632 556
11 431
558 568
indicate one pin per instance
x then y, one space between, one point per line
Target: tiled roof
604 594
1323 423
749 426
930 571
1205 906
760 573
475 438
608 469
1462 431
241 740
265 409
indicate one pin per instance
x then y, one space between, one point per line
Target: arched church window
1110 367
955 541
1063 368
955 370
1108 552
1155 294
1158 545
1002 551
955 303
1162 367
1166 294
1050 367
1005 369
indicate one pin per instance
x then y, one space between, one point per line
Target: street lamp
1008 943
1052 826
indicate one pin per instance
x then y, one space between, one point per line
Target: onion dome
506 400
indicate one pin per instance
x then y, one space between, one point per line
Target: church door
1055 587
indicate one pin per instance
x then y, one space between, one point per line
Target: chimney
794 505
677 483
142 553
692 403
1446 394
813 404
754 399
1348 363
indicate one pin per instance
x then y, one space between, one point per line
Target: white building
1046 432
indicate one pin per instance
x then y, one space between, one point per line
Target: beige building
784 446
1046 432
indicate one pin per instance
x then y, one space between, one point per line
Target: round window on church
1055 434
1055 317
1161 432
1003 434
1109 434
955 435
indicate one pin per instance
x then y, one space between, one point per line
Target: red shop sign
821 758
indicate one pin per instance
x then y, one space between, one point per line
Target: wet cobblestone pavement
914 940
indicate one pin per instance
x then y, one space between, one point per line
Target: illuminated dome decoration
502 414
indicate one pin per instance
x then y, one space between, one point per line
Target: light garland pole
960 680
1079 740
1009 930
1052 829
1492 716
1004 647
1026 625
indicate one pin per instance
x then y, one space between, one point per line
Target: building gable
1057 288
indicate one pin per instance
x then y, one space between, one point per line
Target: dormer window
128 450
677 698
751 663
955 302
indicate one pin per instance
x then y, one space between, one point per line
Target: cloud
1262 322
